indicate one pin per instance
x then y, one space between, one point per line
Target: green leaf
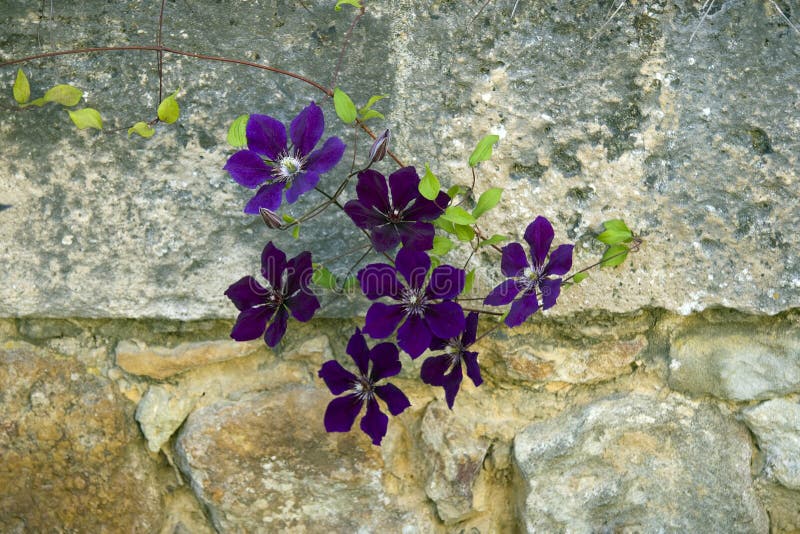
237 136
580 277
469 281
429 186
616 231
488 200
39 102
441 245
141 128
453 191
22 89
345 108
495 239
296 231
323 277
86 118
66 95
371 102
351 283
614 256
288 218
458 215
168 109
354 3
483 151
371 114
464 232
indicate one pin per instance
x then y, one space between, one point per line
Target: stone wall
658 397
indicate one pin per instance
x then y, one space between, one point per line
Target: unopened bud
379 147
270 218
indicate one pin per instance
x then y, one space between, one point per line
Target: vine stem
634 247
346 43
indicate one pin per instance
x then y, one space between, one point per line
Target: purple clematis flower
434 369
271 161
425 310
526 279
401 217
342 411
286 292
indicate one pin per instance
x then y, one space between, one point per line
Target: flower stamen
414 301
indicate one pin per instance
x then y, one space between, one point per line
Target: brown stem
487 312
160 42
634 247
346 43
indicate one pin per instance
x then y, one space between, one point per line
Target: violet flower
434 369
526 279
401 217
342 411
279 166
286 292
425 310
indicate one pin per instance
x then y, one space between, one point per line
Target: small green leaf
495 239
345 108
614 256
22 89
453 191
469 281
237 133
168 109
580 277
66 95
296 231
616 231
488 200
39 102
458 215
483 151
429 186
141 128
464 232
354 3
323 277
371 114
372 100
288 218
441 245
86 118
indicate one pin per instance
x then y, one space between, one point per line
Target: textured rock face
636 463
776 424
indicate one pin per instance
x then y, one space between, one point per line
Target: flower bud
379 147
270 218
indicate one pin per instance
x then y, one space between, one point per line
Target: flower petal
380 280
341 413
273 263
384 237
374 422
326 158
560 261
446 282
358 350
473 369
433 369
502 294
362 216
514 261
337 378
470 329
445 319
372 190
404 184
438 343
303 183
277 328
451 385
414 336
266 135
248 169
251 323
416 235
268 196
246 293
395 399
303 305
539 235
413 265
385 361
382 319
306 129
427 210
521 309
298 273
551 288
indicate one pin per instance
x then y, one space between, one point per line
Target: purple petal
451 384
539 235
384 237
470 329
358 350
473 369
433 369
417 235
306 129
380 280
514 261
560 261
277 328
273 263
414 336
446 282
322 160
382 319
337 378
362 216
248 169
298 273
246 293
266 135
427 210
413 265
341 413
445 319
404 184
251 323
551 288
395 399
438 343
502 294
521 309
374 422
268 196
303 305
385 361
372 190
303 183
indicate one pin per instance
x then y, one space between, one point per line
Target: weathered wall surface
662 396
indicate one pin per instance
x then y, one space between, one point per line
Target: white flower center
414 301
531 278
287 166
